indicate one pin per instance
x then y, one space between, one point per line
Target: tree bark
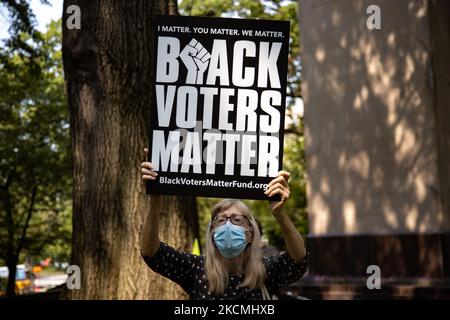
10 256
108 70
11 263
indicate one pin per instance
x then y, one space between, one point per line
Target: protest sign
217 117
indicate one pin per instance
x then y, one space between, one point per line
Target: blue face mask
230 240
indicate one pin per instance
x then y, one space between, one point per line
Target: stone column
377 137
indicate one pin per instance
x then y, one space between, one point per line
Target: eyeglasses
236 219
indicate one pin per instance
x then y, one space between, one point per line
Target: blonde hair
216 272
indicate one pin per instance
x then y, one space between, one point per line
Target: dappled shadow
369 124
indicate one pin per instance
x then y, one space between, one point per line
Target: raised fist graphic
196 59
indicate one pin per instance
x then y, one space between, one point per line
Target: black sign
219 93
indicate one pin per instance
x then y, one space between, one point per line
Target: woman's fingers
147 165
284 193
147 168
277 205
286 175
274 192
279 185
282 177
149 172
279 179
276 186
272 188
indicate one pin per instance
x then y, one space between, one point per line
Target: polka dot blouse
188 271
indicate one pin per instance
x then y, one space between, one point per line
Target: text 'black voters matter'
219 95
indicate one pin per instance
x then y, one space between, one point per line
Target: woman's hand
147 169
294 242
279 185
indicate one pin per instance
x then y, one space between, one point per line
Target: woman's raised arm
294 242
150 231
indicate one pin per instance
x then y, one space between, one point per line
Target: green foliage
294 160
22 22
35 148
204 206
20 15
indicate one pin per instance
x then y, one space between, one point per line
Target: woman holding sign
233 267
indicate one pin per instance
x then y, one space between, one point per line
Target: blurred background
367 142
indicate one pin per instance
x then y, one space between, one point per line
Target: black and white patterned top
188 271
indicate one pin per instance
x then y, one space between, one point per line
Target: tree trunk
12 269
108 70
10 257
